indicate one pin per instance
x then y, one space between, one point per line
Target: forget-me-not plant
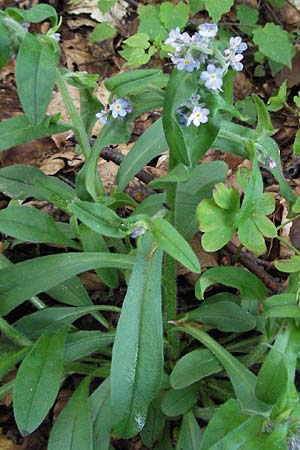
200 52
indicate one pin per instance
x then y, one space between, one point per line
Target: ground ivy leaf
102 31
274 43
216 8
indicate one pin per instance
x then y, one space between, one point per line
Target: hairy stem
14 335
169 276
76 119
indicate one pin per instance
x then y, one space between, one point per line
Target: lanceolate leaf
100 406
173 243
38 381
26 279
193 367
30 224
190 433
138 350
54 318
94 242
243 381
22 182
151 144
187 144
73 427
4 46
19 130
99 218
35 77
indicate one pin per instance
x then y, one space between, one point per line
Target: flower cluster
234 54
192 52
118 109
193 112
200 51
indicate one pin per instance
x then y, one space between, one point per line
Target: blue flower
119 108
198 116
102 116
187 63
208 30
233 54
212 77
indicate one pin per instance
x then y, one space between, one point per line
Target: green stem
287 222
14 335
75 117
169 276
288 244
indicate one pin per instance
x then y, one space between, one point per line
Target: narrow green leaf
4 46
38 381
28 278
30 224
193 367
56 317
189 434
73 427
83 343
71 292
94 242
89 106
35 77
100 406
8 359
243 381
20 130
178 401
225 316
151 144
138 349
272 379
228 420
99 218
136 81
264 124
173 243
154 426
22 182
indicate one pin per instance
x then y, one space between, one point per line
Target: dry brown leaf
91 7
285 252
51 166
7 444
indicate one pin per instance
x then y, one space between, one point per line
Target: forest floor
57 156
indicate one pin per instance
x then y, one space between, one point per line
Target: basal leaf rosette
219 218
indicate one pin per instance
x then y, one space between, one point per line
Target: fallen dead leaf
7 444
91 7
